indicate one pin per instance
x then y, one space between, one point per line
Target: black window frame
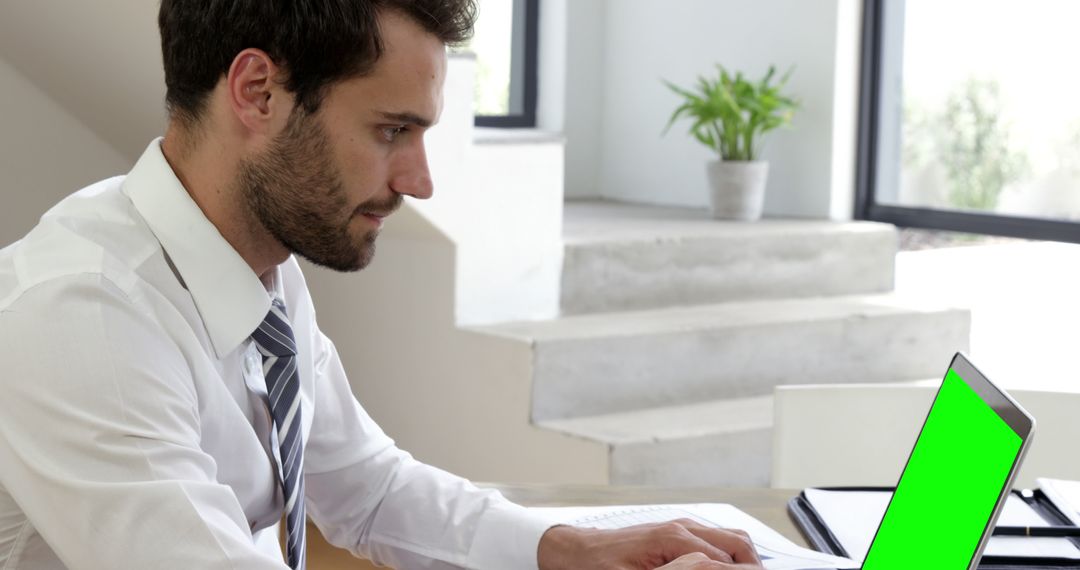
527 23
866 207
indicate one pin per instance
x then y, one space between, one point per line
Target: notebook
1065 495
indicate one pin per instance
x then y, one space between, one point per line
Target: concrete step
597 364
721 443
715 443
623 256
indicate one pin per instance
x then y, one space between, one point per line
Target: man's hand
646 547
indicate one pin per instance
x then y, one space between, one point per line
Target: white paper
777 552
1064 494
853 518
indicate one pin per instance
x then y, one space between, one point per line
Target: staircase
676 328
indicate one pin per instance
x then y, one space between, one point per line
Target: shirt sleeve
370 497
99 436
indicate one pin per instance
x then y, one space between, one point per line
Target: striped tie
274 339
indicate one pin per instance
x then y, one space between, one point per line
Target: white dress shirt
133 428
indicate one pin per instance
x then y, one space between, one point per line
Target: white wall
585 30
616 105
845 127
748 35
100 60
45 154
551 61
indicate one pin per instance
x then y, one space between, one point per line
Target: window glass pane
980 107
493 44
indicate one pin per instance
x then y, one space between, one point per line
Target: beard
295 192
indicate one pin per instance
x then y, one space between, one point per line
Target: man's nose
413 176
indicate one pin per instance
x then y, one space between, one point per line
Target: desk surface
767 505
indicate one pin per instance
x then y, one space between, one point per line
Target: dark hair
317 42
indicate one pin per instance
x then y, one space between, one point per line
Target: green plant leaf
729 112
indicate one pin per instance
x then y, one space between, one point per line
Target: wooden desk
767 505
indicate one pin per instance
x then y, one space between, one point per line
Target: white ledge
493 135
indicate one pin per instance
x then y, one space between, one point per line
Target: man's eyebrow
407 118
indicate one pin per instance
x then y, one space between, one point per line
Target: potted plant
729 115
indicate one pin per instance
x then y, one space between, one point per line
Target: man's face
328 179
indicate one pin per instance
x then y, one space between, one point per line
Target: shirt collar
230 298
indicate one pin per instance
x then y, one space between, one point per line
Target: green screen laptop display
953 480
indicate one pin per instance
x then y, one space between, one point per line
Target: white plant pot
737 189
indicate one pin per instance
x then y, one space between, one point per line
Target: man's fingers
681 540
735 542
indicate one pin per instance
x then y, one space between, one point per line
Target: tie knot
274 337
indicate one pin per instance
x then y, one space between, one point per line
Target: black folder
821 538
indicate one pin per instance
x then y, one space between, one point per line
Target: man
167 395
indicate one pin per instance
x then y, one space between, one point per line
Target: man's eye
389 133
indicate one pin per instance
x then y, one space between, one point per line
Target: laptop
957 477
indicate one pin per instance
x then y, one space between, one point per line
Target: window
505 44
970 116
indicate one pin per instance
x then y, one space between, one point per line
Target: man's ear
256 95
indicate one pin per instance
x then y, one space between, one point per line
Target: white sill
493 135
